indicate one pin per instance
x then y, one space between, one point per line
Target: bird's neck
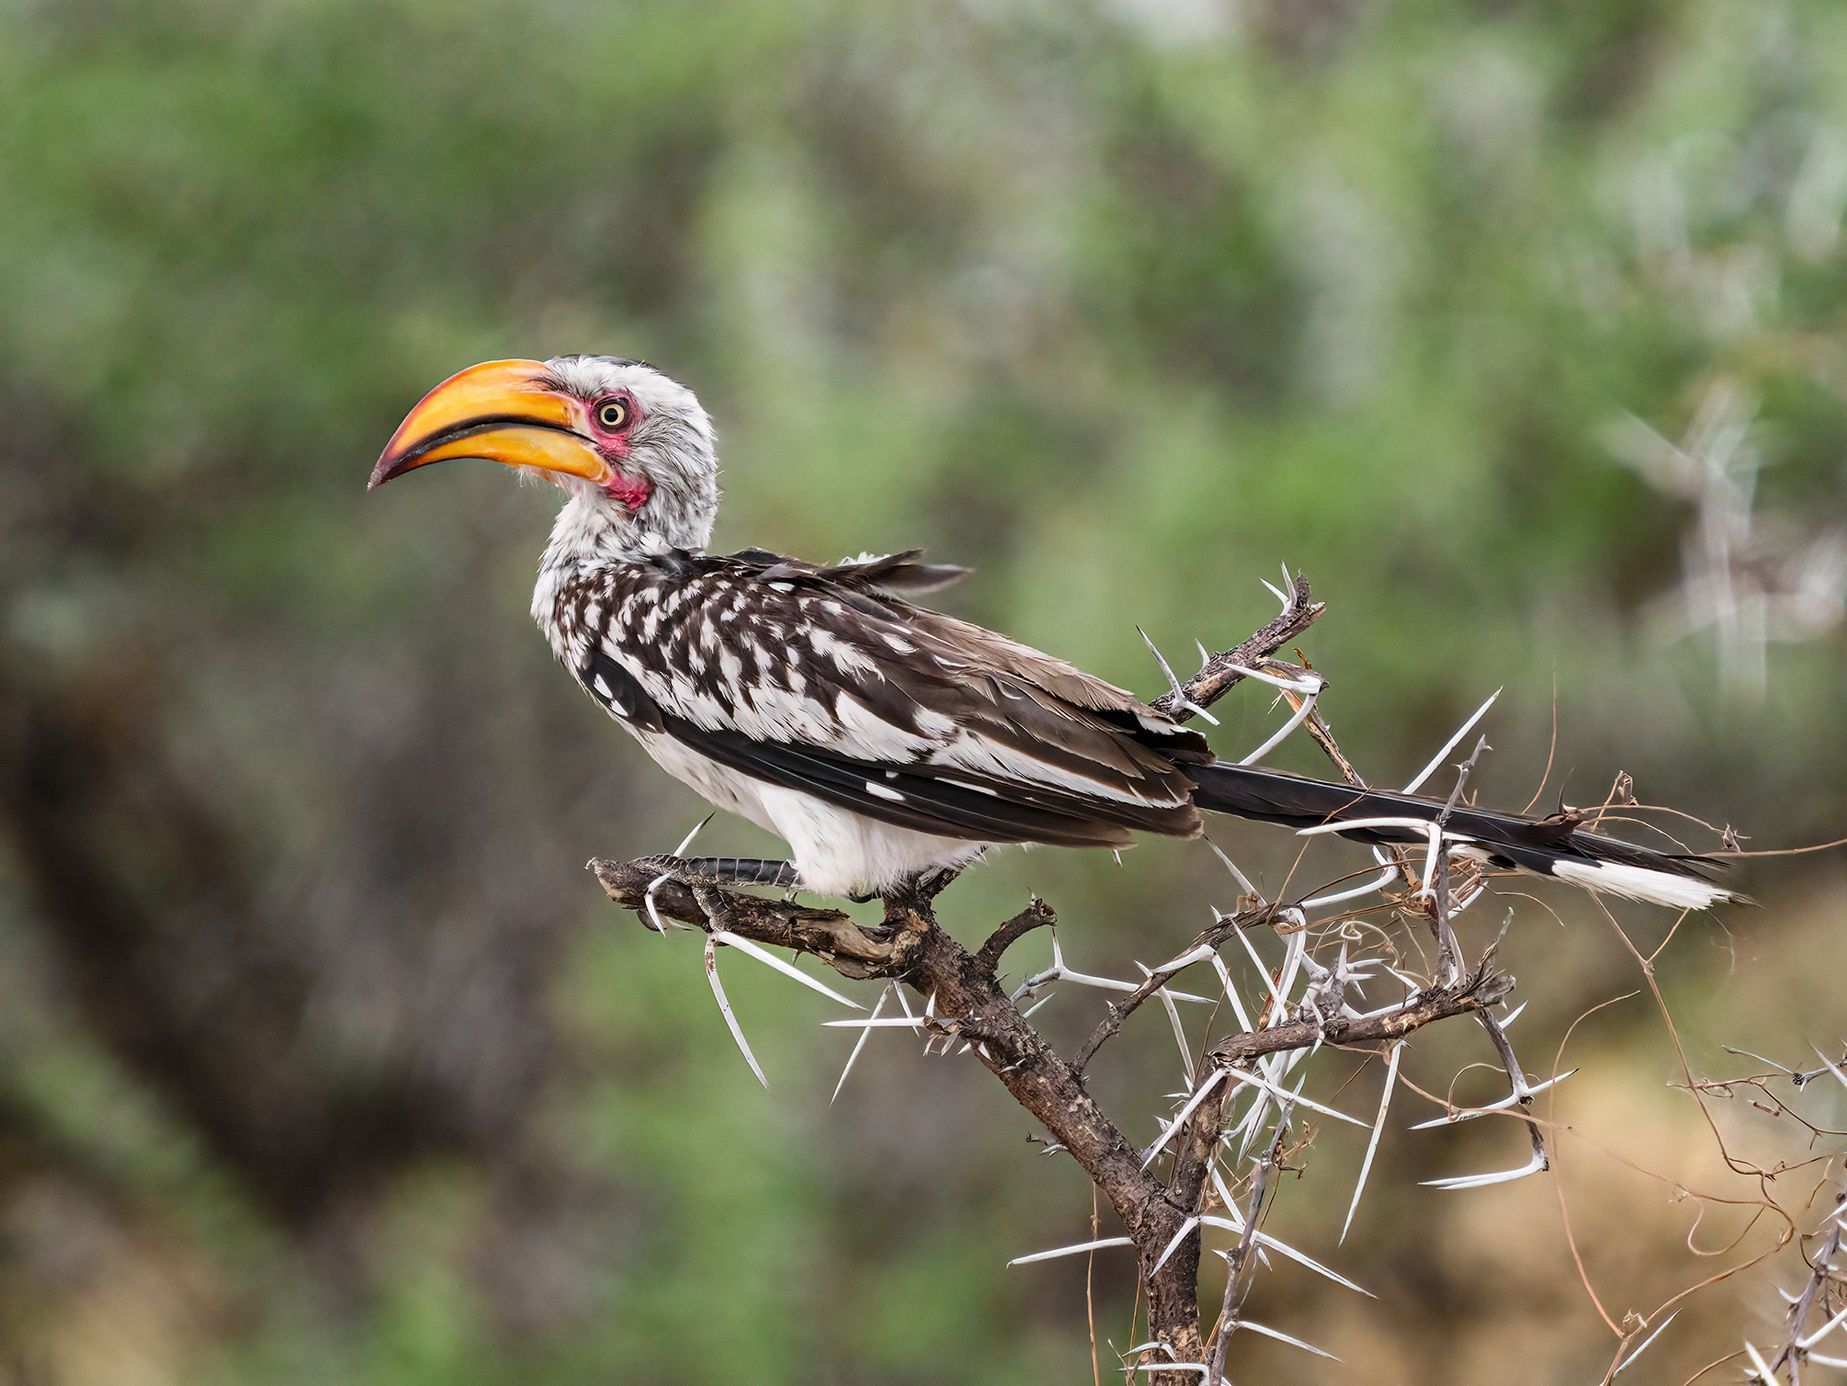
592 529
677 513
590 532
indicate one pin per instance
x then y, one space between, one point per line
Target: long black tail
1553 846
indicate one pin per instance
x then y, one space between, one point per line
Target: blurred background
1518 327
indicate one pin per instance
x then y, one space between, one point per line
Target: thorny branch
1224 671
1472 995
1209 939
1827 1283
968 1003
1244 1088
1241 1260
965 1001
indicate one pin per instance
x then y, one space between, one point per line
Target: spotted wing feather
825 682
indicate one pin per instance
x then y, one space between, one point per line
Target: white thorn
1336 897
1173 681
1295 948
1450 1118
1624 1365
1429 888
1420 826
1173 1019
889 1022
1452 743
1275 1090
724 1007
1232 866
1186 959
1482 1181
1747 1054
654 913
782 965
1074 1249
1276 994
1760 1368
697 828
1306 706
1823 1331
1086 979
1282 1248
1301 683
1178 1237
1199 1095
1282 1337
1231 993
1372 1141
860 1043
1831 1066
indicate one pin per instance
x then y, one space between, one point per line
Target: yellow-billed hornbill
883 741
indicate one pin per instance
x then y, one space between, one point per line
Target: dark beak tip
383 472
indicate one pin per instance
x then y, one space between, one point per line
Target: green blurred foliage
1123 303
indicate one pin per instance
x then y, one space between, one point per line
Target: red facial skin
630 492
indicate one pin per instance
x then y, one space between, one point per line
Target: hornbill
884 742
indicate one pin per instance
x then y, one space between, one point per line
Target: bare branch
1226 670
1037 915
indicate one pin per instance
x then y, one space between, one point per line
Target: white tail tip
1666 888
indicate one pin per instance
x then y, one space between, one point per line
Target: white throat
589 532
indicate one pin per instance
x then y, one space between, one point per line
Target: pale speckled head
632 447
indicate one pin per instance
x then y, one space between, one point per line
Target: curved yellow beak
501 411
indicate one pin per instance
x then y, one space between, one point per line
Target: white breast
720 784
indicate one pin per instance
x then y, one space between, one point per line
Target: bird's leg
707 873
723 871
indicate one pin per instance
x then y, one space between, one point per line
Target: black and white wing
822 681
874 573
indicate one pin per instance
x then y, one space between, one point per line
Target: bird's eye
612 414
